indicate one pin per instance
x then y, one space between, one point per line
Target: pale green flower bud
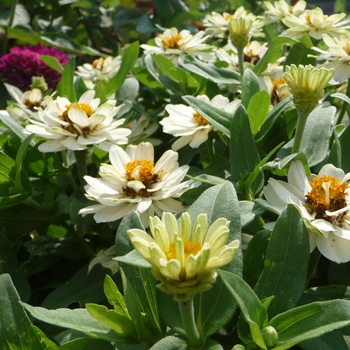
270 336
239 29
39 83
306 84
183 258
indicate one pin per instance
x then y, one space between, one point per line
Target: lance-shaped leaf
253 311
250 86
65 88
243 152
210 71
286 262
310 321
16 330
215 116
258 107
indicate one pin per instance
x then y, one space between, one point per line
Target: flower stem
80 157
211 154
240 61
299 131
189 323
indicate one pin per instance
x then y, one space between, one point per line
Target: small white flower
76 126
172 44
217 24
191 128
323 201
315 23
134 182
101 69
280 9
338 57
185 260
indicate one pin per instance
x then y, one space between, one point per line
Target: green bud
270 336
239 29
39 83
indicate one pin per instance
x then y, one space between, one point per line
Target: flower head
337 55
323 201
315 23
185 260
134 182
281 9
239 29
78 125
101 69
306 84
21 64
173 43
218 24
189 125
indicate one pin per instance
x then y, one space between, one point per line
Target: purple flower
22 63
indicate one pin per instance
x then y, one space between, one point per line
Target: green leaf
243 152
343 158
128 61
328 341
317 133
52 62
87 344
16 330
251 307
121 324
254 257
77 319
300 51
210 71
257 110
133 258
170 342
87 284
250 86
310 321
274 52
215 116
65 88
286 262
168 68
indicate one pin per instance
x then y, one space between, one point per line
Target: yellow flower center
308 20
347 48
189 248
227 16
327 194
72 127
32 104
291 9
171 42
145 175
200 120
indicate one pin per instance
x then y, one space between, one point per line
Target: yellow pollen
327 194
278 81
200 120
95 63
290 10
82 106
347 47
171 42
145 167
189 248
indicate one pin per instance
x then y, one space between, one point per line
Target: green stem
211 154
189 323
80 157
302 117
240 61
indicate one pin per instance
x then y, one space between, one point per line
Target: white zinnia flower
281 9
76 126
315 23
185 260
133 182
172 44
338 57
101 69
217 24
323 201
190 126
